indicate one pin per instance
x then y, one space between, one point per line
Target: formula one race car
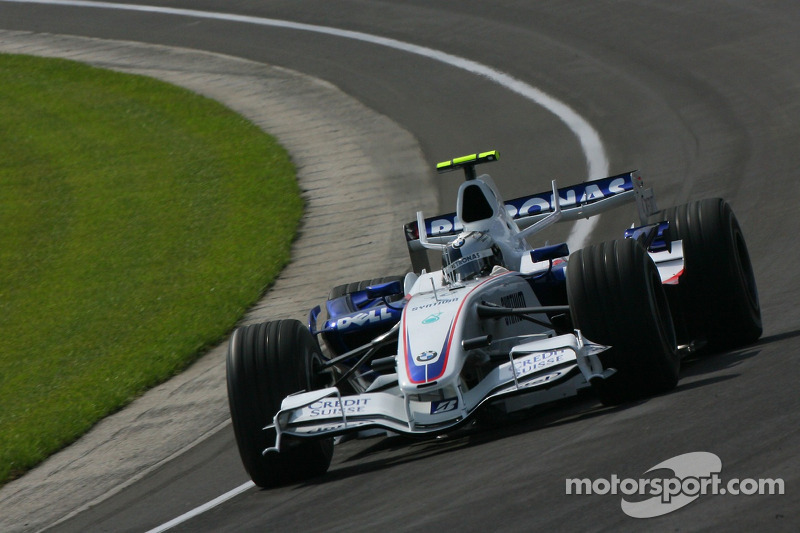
501 326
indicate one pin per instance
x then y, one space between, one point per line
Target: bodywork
422 356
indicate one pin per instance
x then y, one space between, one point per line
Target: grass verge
138 221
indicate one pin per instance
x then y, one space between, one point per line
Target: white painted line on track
203 508
592 146
596 159
141 475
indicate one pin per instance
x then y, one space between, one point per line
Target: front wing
542 370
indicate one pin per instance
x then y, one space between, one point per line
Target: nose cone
426 339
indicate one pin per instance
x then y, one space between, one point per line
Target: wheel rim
318 376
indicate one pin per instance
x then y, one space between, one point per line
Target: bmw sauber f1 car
501 326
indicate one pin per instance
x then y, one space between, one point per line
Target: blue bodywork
356 318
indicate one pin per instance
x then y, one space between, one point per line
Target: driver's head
470 255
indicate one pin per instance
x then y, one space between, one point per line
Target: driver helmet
470 255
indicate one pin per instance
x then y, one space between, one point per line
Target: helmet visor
470 266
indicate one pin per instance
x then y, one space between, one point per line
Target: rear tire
716 295
267 362
616 299
349 288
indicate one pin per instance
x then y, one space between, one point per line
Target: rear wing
583 200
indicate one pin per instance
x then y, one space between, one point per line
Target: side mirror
550 252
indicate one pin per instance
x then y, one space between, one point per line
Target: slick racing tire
616 299
267 362
716 296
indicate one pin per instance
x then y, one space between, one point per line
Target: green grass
138 221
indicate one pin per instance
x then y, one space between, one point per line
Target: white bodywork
429 393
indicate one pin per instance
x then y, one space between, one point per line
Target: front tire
267 362
616 299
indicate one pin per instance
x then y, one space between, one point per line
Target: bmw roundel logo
424 357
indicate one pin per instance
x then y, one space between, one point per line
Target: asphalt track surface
703 97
